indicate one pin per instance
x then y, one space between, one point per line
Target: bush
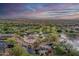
19 51
10 40
65 51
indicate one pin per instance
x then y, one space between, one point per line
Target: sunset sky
39 11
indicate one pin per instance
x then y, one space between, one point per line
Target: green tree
10 40
19 51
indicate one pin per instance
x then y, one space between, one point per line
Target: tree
19 51
65 50
54 35
10 40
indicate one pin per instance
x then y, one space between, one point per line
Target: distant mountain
53 21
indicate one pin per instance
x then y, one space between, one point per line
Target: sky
39 10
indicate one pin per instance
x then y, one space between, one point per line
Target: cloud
40 11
